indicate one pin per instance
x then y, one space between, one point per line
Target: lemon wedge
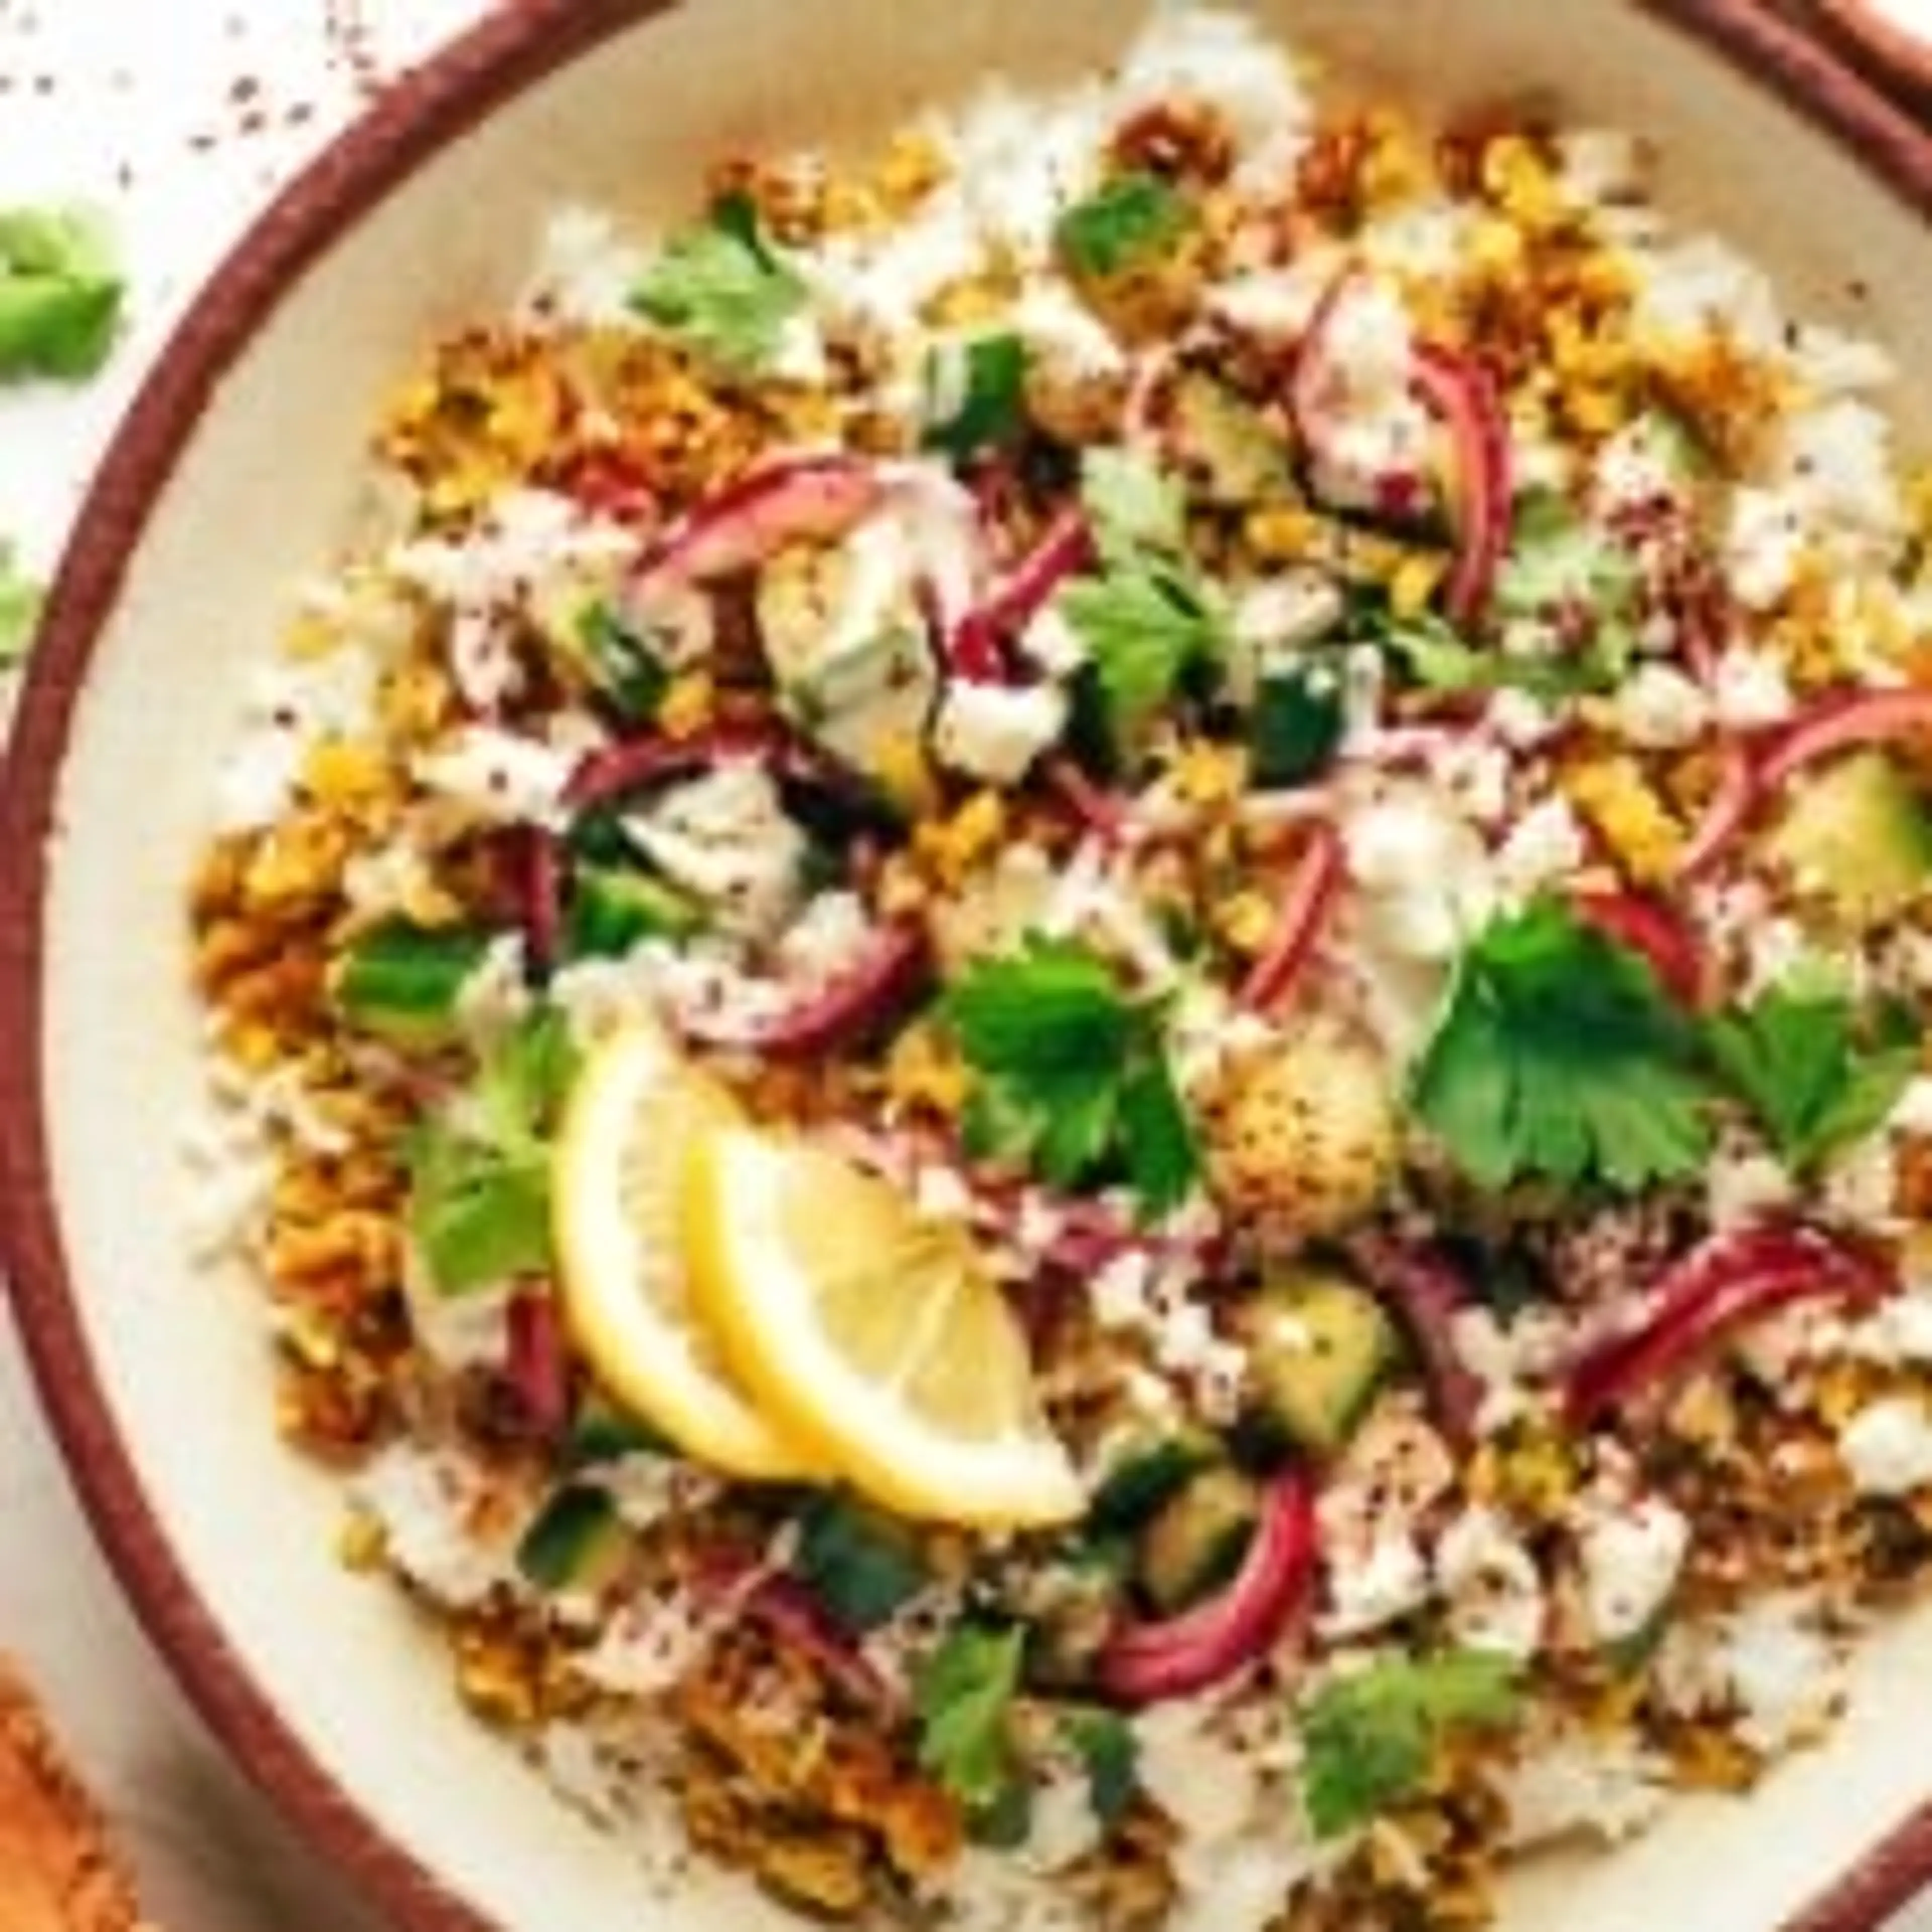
869 1333
636 1108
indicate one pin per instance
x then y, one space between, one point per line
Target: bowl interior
262 486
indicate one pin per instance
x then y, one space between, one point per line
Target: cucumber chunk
1318 1346
1195 1542
402 980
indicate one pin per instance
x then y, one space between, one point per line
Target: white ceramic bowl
232 474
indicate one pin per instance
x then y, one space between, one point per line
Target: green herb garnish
1560 1057
962 1697
1370 1739
1071 1075
1128 221
721 292
403 981
980 387
61 292
479 1173
1105 1742
1814 1076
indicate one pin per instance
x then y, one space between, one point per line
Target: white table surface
180 118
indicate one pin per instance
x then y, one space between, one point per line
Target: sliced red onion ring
1177 1657
977 649
892 969
1639 924
536 1363
542 900
1462 394
788 1610
1728 1280
1427 1294
1304 911
1842 725
749 520
1305 369
659 759
1104 813
1730 810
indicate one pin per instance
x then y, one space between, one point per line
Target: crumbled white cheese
1749 689
995 732
1052 643
1781 1671
587 272
440 1526
1490 1584
1065 339
1544 848
1742 1185
727 837
1859 1185
1887 1446
1367 434
1659 708
1571 1780
1521 720
292 707
1510 1362
1376 1570
1630 1555
1596 165
1423 869
1206 1783
499 777
1898 1332
1764 541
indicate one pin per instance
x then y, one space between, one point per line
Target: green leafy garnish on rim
1127 222
1816 1077
1560 1057
479 1172
1370 1739
61 292
721 290
1071 1074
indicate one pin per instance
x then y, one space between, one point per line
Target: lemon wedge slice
869 1333
636 1108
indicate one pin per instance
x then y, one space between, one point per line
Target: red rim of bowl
421 113
1875 35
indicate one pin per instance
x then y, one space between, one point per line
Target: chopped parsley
1560 1057
1148 619
1434 655
962 1697
976 395
403 981
1071 1075
1104 1742
479 1173
1127 222
62 292
1370 1739
1815 1077
21 599
1569 587
721 292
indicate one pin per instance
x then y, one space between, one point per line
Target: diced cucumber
613 908
1195 1543
1859 837
403 980
601 1432
576 1542
1318 1345
1226 445
862 1565
1298 723
869 704
1143 1477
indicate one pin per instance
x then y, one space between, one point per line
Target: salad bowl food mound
1032 953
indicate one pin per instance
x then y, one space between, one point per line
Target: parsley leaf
976 395
1368 1739
1145 626
861 1566
21 597
1132 504
61 292
962 1697
1126 223
1574 583
1560 1056
1438 658
721 291
478 1207
1798 1060
1071 1075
